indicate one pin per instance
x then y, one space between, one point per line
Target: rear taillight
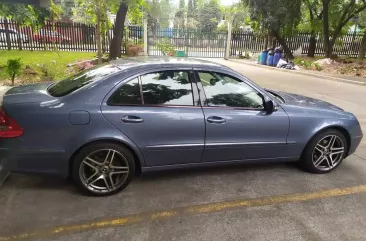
9 128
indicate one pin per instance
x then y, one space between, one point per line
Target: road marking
187 211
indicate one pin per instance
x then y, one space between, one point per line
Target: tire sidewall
80 156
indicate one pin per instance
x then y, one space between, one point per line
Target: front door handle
132 119
216 120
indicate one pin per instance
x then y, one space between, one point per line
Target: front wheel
325 152
103 169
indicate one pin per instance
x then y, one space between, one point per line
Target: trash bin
180 53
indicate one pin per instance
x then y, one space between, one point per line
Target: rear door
159 110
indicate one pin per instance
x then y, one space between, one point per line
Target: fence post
145 37
228 39
7 34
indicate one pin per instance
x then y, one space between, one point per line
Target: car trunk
27 94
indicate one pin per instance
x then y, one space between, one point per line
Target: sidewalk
317 74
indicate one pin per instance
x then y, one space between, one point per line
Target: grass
47 65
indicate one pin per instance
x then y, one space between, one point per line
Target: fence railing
193 42
60 35
67 36
346 45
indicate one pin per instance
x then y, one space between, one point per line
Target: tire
320 157
103 168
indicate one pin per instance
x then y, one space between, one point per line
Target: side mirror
269 106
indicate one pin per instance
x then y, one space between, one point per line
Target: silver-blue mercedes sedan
146 114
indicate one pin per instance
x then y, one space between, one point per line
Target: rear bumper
37 162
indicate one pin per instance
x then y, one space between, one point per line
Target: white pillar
145 37
228 40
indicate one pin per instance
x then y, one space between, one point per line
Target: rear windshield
76 82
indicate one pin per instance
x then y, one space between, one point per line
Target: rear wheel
325 152
103 169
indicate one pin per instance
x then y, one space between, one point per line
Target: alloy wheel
104 170
328 152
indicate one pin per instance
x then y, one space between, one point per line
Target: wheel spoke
319 161
109 157
91 163
96 179
106 183
329 161
332 141
319 148
91 177
111 180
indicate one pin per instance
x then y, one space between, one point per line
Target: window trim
204 98
190 71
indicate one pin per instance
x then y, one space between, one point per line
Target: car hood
304 101
27 94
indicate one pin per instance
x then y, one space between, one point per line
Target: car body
167 113
49 36
13 35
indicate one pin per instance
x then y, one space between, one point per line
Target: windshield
76 82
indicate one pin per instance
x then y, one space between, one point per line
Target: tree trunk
312 45
98 30
265 45
115 48
362 52
327 48
283 43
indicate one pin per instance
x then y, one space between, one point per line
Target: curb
303 73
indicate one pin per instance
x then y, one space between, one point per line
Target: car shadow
19 182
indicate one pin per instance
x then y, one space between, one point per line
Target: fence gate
194 43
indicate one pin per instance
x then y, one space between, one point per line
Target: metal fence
246 41
60 35
194 43
68 36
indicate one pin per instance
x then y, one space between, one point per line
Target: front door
161 113
237 127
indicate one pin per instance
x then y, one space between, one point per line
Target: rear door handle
132 119
216 120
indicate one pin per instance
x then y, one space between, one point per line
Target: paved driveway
245 202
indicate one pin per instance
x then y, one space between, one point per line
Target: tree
277 16
209 15
123 7
336 15
362 50
313 22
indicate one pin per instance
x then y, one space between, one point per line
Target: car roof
140 61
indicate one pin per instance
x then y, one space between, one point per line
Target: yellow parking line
184 211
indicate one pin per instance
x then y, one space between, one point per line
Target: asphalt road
245 202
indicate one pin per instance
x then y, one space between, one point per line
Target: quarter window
224 90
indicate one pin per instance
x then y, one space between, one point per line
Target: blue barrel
270 58
264 55
277 57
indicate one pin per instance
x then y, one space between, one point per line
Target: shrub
318 67
13 67
165 46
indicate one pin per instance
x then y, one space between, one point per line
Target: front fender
306 123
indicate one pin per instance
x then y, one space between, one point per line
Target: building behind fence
68 36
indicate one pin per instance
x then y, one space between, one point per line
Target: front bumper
355 142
